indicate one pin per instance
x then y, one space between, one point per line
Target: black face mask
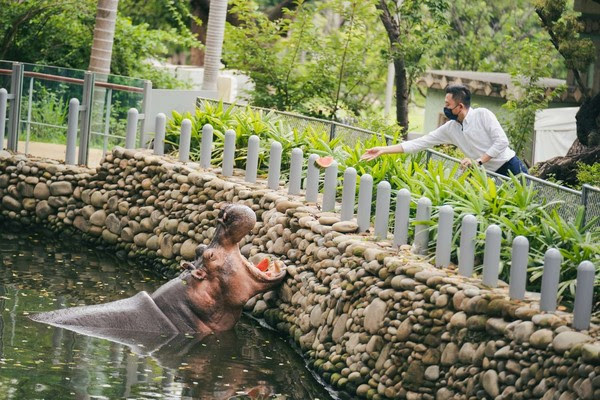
449 115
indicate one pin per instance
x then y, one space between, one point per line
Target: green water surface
40 272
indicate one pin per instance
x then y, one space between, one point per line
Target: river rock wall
375 322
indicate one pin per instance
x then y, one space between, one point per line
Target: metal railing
569 200
38 98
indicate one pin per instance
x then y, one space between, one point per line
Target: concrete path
56 152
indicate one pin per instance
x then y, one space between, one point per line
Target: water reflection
38 361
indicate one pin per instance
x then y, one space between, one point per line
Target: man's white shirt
480 133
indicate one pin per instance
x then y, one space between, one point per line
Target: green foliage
513 205
478 36
559 19
299 63
589 174
530 95
60 33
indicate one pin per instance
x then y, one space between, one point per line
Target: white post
401 217
330 187
132 121
348 194
466 255
274 166
3 101
491 255
550 277
312 179
444 239
518 268
159 137
295 171
206 151
422 228
382 209
185 139
72 125
252 159
365 195
584 296
229 153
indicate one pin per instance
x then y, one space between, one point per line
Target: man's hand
465 163
372 153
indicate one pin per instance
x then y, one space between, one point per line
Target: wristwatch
479 162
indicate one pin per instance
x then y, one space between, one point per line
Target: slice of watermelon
263 265
324 162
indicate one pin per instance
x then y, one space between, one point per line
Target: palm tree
214 43
104 34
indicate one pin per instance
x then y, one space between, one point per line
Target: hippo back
137 313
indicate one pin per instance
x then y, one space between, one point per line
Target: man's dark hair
460 94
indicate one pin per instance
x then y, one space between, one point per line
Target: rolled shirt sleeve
434 138
496 133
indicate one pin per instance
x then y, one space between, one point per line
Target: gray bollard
584 296
330 187
348 194
422 230
466 255
295 171
3 102
312 179
443 246
206 146
365 194
382 209
518 268
550 277
401 217
491 255
72 125
228 152
185 139
159 138
132 122
252 159
274 166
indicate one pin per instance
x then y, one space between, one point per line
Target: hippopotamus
208 296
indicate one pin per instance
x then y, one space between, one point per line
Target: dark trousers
514 165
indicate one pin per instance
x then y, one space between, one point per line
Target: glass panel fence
46 93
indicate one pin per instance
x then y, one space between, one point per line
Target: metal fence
38 101
568 200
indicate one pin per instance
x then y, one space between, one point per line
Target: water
40 273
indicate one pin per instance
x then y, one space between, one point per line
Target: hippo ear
186 266
199 273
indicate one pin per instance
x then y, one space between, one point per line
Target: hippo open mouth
266 270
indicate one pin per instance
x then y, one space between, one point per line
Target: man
475 131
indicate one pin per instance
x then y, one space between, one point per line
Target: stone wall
373 321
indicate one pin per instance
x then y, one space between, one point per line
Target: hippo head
227 270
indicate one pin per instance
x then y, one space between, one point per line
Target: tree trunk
393 32
214 43
104 34
565 168
401 95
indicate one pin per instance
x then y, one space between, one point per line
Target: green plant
589 174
